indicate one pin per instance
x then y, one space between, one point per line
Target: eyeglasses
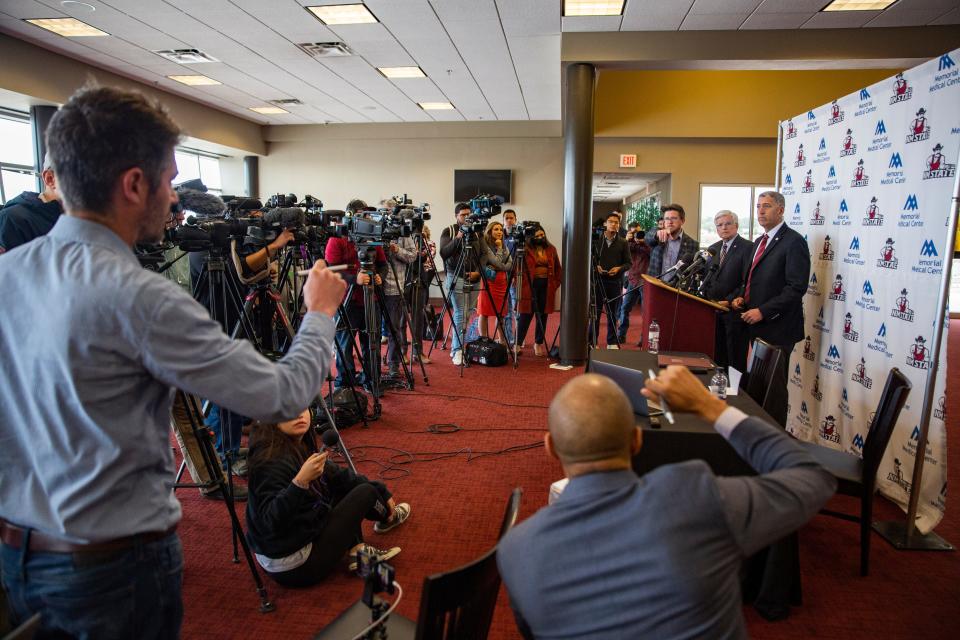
671 219
725 224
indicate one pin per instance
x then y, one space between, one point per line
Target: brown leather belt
13 536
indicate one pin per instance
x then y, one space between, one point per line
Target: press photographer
612 258
401 255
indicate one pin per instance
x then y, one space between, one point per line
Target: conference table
771 579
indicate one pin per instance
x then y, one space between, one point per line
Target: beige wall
339 162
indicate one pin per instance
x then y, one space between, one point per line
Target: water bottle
653 337
718 384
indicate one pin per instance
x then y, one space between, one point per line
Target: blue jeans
612 287
231 441
630 299
459 299
345 339
129 593
510 312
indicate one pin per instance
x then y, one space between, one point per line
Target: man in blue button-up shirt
94 347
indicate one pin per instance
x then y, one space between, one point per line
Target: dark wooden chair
457 604
762 369
858 477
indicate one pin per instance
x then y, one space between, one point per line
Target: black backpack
486 352
345 407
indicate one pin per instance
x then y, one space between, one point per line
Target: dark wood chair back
894 395
513 510
763 367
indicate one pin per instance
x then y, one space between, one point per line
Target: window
16 155
741 199
192 164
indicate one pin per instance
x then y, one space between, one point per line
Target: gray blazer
658 556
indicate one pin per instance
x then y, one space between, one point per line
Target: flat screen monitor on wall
469 183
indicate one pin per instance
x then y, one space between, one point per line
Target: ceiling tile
775 21
591 23
894 17
529 18
654 15
25 9
715 7
712 21
809 7
951 17
840 19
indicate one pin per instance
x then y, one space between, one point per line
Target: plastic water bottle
718 384
653 337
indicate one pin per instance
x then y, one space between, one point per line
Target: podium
687 323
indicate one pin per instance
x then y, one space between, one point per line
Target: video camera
414 217
524 231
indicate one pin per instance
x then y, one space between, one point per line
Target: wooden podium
695 319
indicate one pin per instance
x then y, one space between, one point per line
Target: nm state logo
836 289
796 378
807 352
919 128
848 148
937 166
828 430
853 253
848 332
879 343
807 182
832 360
873 217
815 390
816 218
860 374
901 308
827 252
791 130
836 114
887 259
901 90
919 355
813 288
938 411
896 475
860 179
801 158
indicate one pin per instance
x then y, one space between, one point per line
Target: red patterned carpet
458 484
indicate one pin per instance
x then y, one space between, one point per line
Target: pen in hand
660 399
336 267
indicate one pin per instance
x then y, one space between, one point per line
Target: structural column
577 205
251 176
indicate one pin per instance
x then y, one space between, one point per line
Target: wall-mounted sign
628 161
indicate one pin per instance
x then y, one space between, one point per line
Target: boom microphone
205 205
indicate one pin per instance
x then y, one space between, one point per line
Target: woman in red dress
496 263
538 295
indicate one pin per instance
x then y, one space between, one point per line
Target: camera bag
486 352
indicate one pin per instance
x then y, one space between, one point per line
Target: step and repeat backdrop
869 180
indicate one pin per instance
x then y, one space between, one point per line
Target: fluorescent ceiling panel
435 106
402 72
343 14
194 81
268 111
68 27
858 5
573 8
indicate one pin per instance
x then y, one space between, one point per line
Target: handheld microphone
670 274
330 440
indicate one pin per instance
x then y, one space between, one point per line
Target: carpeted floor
458 484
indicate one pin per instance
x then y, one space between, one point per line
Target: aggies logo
848 332
919 355
849 147
860 179
901 90
815 391
836 289
901 308
937 166
887 259
808 185
873 218
801 158
836 114
897 475
938 411
827 253
860 376
828 430
816 218
791 130
919 128
807 352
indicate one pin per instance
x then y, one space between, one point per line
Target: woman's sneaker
382 555
400 514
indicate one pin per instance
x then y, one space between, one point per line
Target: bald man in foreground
618 556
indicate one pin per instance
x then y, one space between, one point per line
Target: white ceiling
492 59
615 187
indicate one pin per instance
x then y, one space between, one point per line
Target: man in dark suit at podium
726 271
772 300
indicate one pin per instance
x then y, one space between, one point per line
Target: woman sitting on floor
303 511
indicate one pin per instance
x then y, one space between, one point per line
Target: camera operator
342 250
613 258
427 265
639 259
92 354
401 253
461 284
304 511
510 313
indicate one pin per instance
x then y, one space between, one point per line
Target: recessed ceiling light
76 5
194 81
268 111
402 72
67 27
858 5
435 106
343 14
577 8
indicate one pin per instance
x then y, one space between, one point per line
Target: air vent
286 102
186 56
326 49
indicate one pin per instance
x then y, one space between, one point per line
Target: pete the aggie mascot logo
901 90
919 128
873 217
859 374
902 308
887 260
919 355
937 165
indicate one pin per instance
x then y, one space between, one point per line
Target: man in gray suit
617 556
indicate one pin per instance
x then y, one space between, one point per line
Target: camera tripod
407 319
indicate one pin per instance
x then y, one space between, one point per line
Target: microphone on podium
670 274
701 260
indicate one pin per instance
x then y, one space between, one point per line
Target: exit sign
628 161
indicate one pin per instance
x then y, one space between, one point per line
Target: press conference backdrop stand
687 323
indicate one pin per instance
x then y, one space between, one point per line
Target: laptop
630 380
